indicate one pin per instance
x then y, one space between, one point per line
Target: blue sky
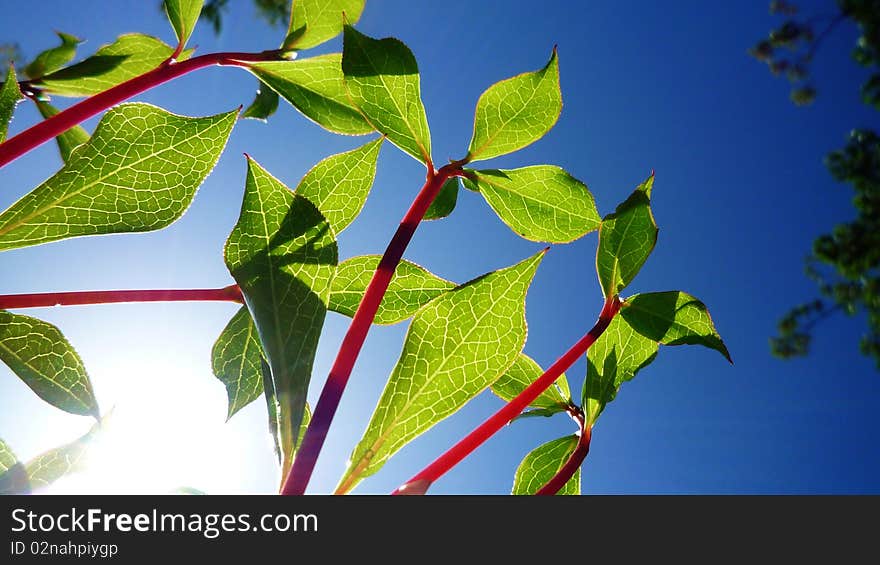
740 194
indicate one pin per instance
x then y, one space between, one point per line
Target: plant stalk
49 129
307 455
10 301
574 461
422 481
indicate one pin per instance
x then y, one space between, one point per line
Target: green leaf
53 59
524 372
516 112
673 318
411 288
539 203
312 22
10 96
183 15
54 464
444 203
264 105
236 358
456 346
616 357
282 253
13 477
541 464
339 184
315 87
285 446
40 356
382 79
70 139
129 56
139 172
626 238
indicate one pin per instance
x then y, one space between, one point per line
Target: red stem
307 455
570 467
9 301
50 128
422 481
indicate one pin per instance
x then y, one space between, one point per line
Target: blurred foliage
845 264
275 12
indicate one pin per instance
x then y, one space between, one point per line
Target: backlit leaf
516 112
411 288
315 87
139 172
183 15
444 203
70 139
53 59
673 318
129 56
456 346
285 446
312 22
626 239
235 359
539 203
45 469
616 357
264 105
13 477
282 253
339 184
10 96
382 79
40 356
542 463
524 372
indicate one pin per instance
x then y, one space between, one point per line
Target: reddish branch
227 294
328 402
50 128
423 480
575 460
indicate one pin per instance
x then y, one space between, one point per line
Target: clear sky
740 194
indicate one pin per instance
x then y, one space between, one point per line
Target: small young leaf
183 15
70 139
127 57
41 357
282 253
312 22
542 463
13 477
456 346
264 105
516 112
615 358
236 358
315 87
339 184
382 79
139 172
539 203
53 59
524 372
411 288
626 238
45 469
444 204
10 96
673 318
